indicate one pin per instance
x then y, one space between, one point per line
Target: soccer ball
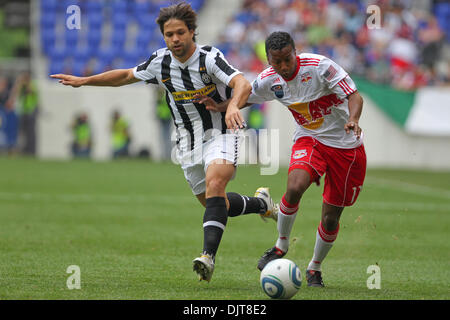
281 279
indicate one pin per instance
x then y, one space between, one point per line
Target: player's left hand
353 125
209 103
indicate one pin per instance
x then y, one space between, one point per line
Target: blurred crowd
18 113
410 49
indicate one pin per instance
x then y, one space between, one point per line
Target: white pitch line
409 187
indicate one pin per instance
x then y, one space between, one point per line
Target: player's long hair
181 11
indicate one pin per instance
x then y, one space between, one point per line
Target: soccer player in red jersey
328 140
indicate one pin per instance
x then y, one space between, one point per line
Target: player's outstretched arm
113 78
241 91
355 104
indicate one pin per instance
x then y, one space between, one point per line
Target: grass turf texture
133 227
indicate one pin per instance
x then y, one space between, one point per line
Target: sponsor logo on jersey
188 96
278 90
311 114
306 78
300 154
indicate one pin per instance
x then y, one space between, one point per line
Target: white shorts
195 163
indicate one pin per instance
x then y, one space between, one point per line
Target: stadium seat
71 38
95 20
132 56
118 38
119 21
94 39
56 66
144 37
106 55
49 5
57 54
48 39
95 6
48 20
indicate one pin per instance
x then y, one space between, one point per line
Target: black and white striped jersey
206 72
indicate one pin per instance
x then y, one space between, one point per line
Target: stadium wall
60 105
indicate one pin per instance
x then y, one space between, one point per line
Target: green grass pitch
133 227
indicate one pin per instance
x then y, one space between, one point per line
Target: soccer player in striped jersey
207 141
326 106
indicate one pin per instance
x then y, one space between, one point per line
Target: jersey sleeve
146 71
218 66
336 78
259 93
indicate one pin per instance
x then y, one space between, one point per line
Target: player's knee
330 222
296 187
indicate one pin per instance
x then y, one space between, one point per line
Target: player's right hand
69 80
234 119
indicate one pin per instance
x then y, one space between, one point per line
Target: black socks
242 204
214 222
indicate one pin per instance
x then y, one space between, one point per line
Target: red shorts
345 169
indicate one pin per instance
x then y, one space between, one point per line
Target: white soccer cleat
204 267
272 208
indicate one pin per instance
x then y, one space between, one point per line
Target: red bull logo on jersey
298 154
305 78
311 114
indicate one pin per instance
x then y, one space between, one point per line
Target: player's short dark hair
181 11
278 40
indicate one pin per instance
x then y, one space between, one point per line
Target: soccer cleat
314 278
269 255
272 209
204 267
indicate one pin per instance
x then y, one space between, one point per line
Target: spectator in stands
120 135
404 52
24 93
9 122
82 137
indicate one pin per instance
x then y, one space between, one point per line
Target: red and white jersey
317 97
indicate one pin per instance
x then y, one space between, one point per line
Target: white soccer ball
281 279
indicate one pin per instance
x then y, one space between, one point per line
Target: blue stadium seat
49 5
71 38
142 7
48 39
95 6
132 55
57 54
119 20
56 66
83 54
144 38
94 39
118 38
95 20
196 4
78 68
48 19
106 55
